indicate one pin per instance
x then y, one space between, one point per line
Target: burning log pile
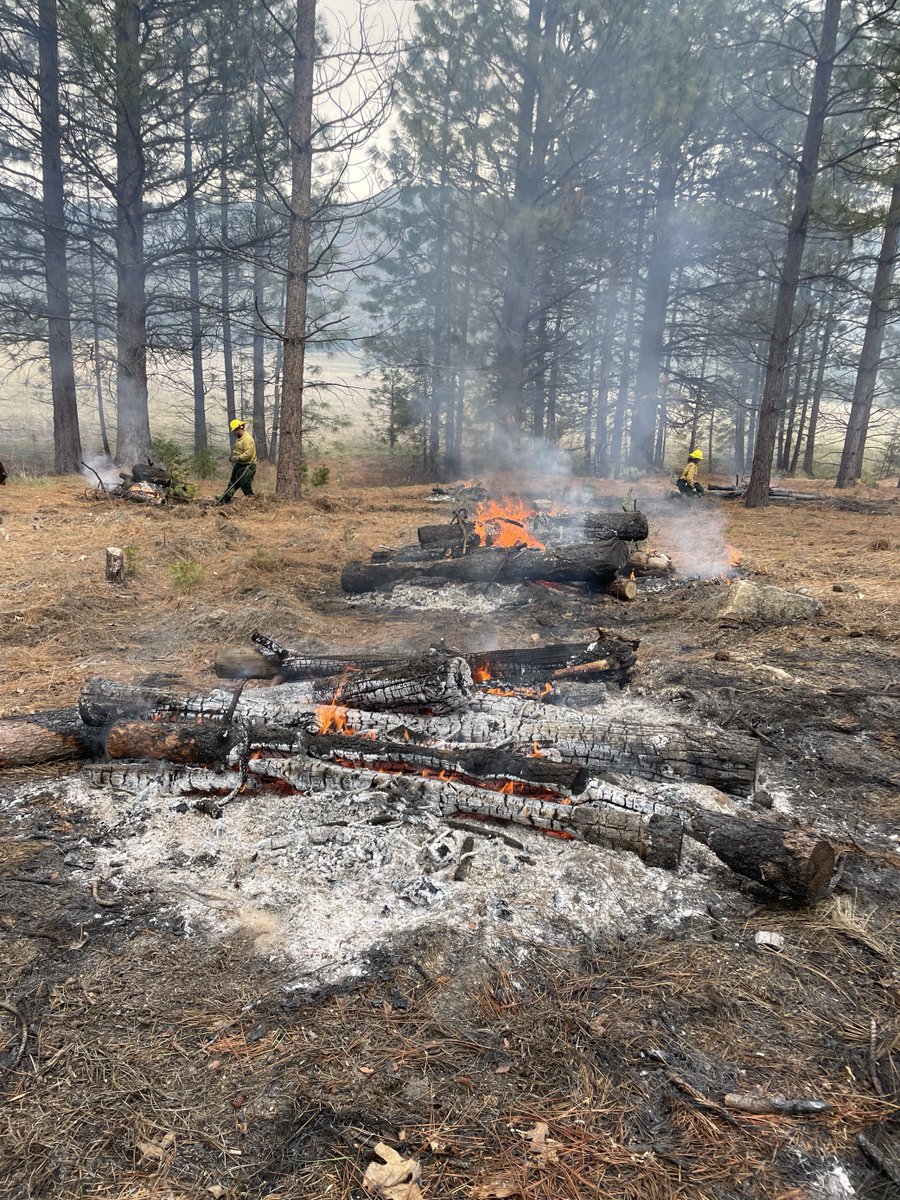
437 734
508 541
144 484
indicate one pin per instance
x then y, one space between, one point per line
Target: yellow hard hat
698 454
233 425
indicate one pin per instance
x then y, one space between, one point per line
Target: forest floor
142 1057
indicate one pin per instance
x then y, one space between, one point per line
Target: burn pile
475 738
145 483
510 541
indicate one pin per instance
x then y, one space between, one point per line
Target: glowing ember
503 523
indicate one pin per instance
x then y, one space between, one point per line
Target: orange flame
503 523
481 674
536 751
546 689
735 558
332 718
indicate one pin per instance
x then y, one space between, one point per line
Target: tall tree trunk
784 456
225 282
761 472
95 318
66 436
518 285
656 299
810 451
801 423
133 443
620 412
289 480
259 292
863 393
201 440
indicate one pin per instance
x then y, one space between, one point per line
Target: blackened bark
290 436
760 475
67 453
133 444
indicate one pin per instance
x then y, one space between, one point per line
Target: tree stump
115 565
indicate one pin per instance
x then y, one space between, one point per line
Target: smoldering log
201 743
453 537
436 682
525 665
793 861
622 589
601 743
656 838
476 763
43 737
594 563
593 526
598 742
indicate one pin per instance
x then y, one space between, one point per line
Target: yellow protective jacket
689 474
244 450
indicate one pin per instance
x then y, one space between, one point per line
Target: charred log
594 563
203 744
527 665
656 838
44 737
478 763
455 537
597 526
793 861
435 682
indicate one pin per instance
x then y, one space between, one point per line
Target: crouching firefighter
243 455
687 480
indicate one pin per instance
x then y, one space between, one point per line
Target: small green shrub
132 560
320 476
186 573
168 454
202 464
349 534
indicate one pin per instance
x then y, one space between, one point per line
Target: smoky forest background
595 234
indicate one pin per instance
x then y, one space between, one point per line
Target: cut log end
115 566
623 589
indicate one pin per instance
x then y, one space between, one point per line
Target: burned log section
793 861
593 563
52 736
473 762
595 526
529 665
435 682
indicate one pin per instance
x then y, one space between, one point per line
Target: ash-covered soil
198 1008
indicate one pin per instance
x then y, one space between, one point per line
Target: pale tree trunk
201 440
810 450
259 294
863 393
225 281
290 438
621 409
66 437
532 144
656 299
761 472
133 444
95 319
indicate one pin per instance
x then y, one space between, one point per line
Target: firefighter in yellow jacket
243 455
687 480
